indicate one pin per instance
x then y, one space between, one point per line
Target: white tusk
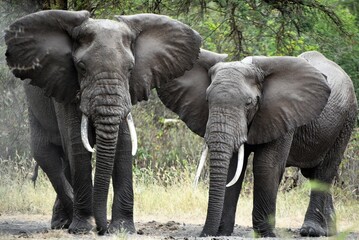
200 165
133 134
239 166
84 134
247 60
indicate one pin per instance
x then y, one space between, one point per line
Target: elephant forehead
235 64
232 72
105 26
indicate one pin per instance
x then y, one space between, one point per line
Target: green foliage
348 173
14 131
166 154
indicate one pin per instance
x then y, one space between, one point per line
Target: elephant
287 111
84 76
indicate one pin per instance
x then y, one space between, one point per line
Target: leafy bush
167 153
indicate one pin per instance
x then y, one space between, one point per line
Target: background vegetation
168 154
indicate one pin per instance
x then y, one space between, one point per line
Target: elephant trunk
106 142
222 137
107 103
107 128
220 156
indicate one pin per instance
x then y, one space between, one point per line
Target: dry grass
178 202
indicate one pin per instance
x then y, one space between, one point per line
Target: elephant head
254 101
103 63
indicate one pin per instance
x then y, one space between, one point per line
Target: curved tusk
200 165
84 134
239 166
133 134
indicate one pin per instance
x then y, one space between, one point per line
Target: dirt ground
38 227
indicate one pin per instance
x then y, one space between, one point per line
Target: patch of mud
22 226
38 227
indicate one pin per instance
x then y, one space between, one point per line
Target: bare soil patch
38 227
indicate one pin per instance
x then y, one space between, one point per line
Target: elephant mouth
84 133
239 169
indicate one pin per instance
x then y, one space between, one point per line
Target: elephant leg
62 209
122 208
231 196
268 168
59 219
80 165
320 219
49 157
320 216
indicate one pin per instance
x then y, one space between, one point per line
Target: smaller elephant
288 111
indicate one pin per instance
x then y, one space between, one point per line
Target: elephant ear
164 50
39 47
294 93
186 95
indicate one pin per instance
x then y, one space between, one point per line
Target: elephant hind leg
60 219
320 217
49 157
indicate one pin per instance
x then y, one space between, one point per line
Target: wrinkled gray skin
95 68
288 111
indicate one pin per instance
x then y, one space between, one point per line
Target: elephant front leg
122 208
82 221
81 169
268 168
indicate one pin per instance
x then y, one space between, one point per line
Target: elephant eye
249 101
81 67
130 67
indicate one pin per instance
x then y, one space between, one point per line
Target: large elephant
93 70
288 111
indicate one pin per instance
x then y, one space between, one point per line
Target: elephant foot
60 222
81 226
263 234
208 233
225 230
263 229
122 226
314 229
60 218
320 219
